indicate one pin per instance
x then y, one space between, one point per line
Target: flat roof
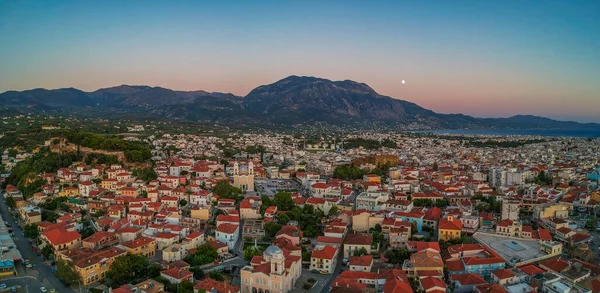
510 249
6 241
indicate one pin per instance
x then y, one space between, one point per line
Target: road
42 272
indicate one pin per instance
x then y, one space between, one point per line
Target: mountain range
291 101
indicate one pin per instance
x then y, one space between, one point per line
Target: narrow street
42 272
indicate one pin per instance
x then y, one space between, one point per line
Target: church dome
273 251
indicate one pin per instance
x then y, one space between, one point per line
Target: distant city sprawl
170 206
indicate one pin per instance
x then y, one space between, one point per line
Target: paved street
42 272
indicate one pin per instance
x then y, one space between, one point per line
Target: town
265 212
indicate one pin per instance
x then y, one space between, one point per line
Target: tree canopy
225 190
203 255
284 201
128 268
66 272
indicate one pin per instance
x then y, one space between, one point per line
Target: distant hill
290 101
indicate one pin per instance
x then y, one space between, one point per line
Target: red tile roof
359 239
555 264
227 228
447 224
328 252
503 274
468 279
60 236
365 260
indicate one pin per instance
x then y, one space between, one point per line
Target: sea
585 133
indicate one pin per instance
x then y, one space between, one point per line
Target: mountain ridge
290 101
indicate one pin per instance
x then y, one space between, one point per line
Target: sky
481 58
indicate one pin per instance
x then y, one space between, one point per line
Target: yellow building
92 265
449 228
69 192
141 246
424 261
200 213
354 242
372 178
545 211
362 221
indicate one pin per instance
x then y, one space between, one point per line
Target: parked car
43 289
2 286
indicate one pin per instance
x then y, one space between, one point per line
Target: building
356 242
93 265
100 240
510 209
361 263
273 272
424 262
324 260
174 253
243 176
61 239
141 246
176 275
228 233
449 228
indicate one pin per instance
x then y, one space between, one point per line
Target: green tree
216 275
31 231
333 211
185 287
47 251
397 255
283 219
198 272
205 254
360 252
66 272
271 228
442 203
225 190
10 202
435 166
283 200
251 251
183 202
127 268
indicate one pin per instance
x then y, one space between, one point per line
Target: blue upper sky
484 58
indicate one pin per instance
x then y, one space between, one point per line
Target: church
274 272
243 176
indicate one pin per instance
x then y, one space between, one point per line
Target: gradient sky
483 58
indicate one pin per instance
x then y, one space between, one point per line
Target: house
449 228
174 253
361 263
141 246
424 262
177 275
222 248
193 240
292 233
324 259
228 233
100 240
356 242
61 239
503 277
93 265
464 283
432 285
212 285
165 239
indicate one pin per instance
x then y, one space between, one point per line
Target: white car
43 289
2 286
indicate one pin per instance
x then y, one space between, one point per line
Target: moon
403 81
